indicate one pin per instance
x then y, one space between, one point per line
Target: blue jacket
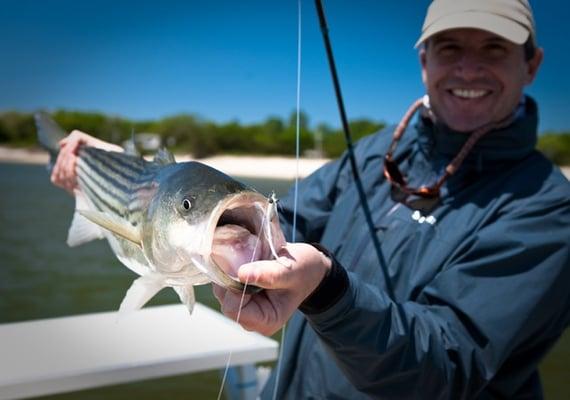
481 282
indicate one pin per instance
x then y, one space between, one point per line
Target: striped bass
174 224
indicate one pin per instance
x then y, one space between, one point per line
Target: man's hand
63 173
289 281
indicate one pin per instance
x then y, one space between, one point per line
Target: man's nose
469 66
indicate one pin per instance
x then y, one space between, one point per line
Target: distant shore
245 166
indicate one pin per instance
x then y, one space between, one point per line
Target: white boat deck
58 355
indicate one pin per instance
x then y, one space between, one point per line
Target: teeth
468 93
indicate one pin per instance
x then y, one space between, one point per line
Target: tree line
192 134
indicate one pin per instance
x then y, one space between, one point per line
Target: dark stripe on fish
97 202
102 182
110 175
131 204
135 164
134 175
100 202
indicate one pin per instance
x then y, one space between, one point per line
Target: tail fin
49 134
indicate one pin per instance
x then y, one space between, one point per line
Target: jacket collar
511 143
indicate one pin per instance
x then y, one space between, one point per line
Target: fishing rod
350 148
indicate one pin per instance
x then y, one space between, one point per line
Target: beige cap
510 19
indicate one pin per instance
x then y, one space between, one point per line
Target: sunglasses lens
393 172
428 192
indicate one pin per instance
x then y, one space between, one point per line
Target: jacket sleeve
499 304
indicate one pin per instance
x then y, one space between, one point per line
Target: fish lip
233 201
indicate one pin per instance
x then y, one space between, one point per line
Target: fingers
255 313
231 302
298 271
299 266
219 292
64 172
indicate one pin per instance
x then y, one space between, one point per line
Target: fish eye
186 204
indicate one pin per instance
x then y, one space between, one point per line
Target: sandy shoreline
246 166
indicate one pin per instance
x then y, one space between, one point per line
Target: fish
175 224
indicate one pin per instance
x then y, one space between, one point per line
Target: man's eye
448 50
495 50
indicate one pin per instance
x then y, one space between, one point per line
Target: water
40 277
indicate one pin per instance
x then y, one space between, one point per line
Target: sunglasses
396 177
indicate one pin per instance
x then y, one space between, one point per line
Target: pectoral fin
140 292
186 294
118 226
82 230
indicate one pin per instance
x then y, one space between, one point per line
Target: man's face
474 77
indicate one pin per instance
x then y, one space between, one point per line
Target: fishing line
296 189
298 123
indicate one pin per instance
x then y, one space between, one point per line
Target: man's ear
423 62
533 65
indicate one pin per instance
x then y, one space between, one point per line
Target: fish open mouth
245 231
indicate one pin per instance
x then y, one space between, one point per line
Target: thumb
265 274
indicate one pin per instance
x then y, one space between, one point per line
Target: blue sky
236 60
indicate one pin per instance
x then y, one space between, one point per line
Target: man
474 226
477 255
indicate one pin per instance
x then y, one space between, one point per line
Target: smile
469 93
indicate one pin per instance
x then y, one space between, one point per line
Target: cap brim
496 24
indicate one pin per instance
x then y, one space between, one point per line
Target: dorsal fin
131 146
164 157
